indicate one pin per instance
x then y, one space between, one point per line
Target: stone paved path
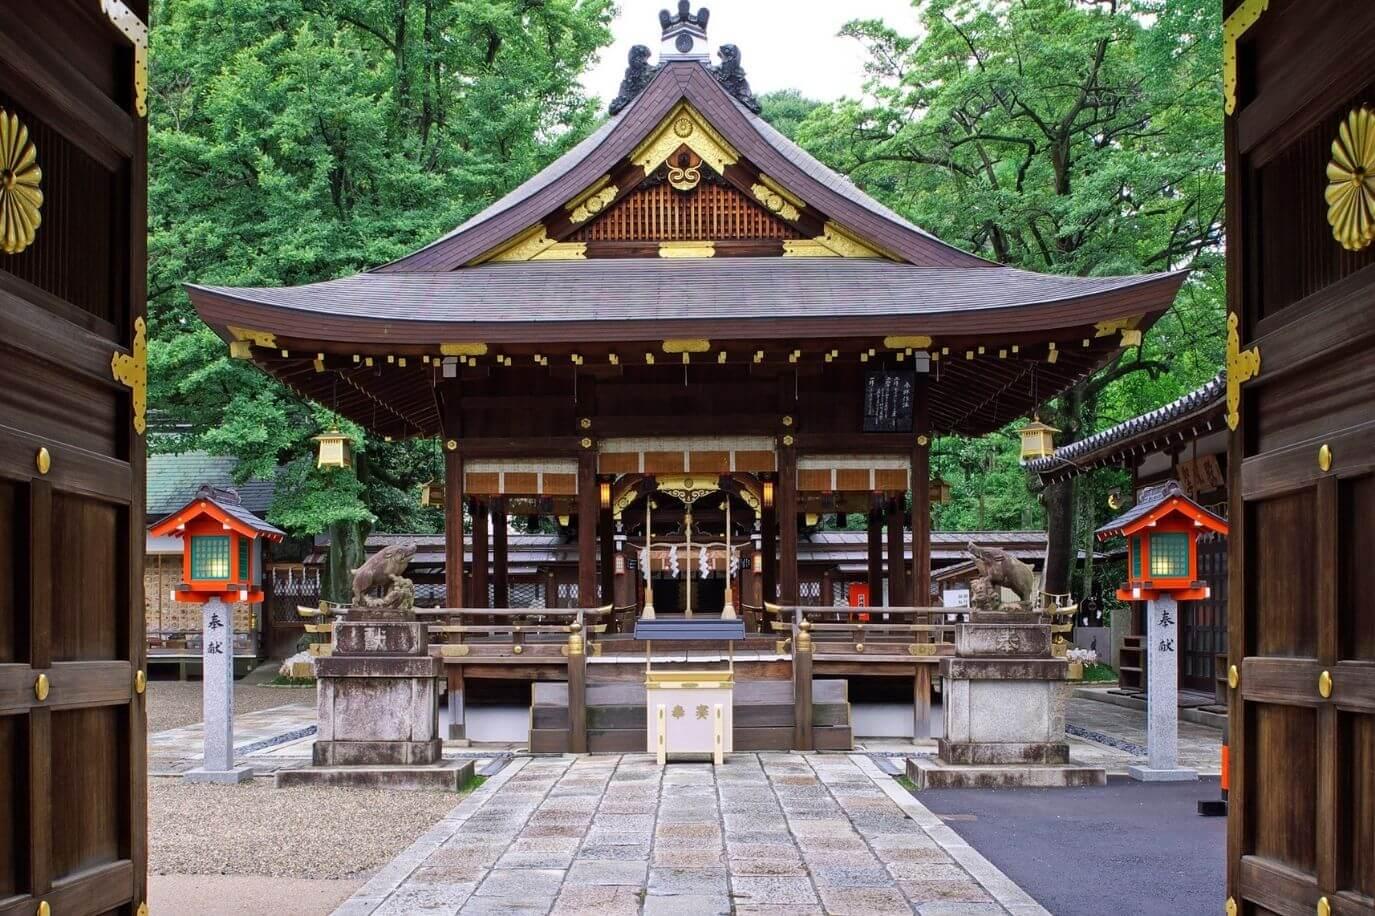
766 833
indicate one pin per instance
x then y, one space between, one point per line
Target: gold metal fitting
140 681
1325 458
1233 677
1325 685
43 461
41 687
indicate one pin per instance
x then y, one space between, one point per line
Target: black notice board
888 398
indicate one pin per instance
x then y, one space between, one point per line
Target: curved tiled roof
1200 401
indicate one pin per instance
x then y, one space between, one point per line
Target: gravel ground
255 829
173 704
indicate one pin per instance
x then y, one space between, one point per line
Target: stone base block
930 773
448 776
232 777
1175 774
376 753
987 753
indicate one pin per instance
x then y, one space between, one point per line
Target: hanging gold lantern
939 490
432 493
335 450
1038 440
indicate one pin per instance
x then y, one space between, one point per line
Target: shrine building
687 339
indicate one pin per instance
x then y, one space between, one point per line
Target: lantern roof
224 506
1157 503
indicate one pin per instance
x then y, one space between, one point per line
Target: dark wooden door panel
1301 600
73 778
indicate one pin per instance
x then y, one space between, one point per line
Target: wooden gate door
1301 833
73 778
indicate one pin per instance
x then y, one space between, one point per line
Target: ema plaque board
888 399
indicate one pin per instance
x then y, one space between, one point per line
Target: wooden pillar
875 520
787 524
587 528
921 703
802 687
606 535
478 581
453 525
501 563
577 690
921 494
458 717
897 556
768 546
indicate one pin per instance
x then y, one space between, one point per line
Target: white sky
784 44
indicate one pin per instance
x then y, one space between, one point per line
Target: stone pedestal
1162 696
378 697
1004 698
217 697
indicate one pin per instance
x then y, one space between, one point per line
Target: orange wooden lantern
1162 544
222 547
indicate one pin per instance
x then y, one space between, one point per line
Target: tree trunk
1059 503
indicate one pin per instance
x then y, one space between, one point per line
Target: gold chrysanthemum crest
20 176
1351 181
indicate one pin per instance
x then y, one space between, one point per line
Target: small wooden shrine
686 339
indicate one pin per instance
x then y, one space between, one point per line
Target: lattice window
210 557
1169 555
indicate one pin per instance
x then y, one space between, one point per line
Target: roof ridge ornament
685 35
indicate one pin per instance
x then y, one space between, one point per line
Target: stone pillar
217 697
1162 696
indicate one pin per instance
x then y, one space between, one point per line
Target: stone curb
999 886
372 895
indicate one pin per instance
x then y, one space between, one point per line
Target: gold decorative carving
775 199
131 369
463 348
591 202
1242 366
686 345
20 177
687 249
913 342
1242 18
134 29
1351 181
684 126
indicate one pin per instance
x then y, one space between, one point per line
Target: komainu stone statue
1002 570
383 570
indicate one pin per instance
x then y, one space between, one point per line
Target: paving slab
771 833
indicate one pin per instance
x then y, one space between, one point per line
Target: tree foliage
293 141
1077 137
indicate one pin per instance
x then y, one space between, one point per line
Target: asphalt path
1125 848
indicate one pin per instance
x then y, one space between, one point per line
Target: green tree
292 141
1068 136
